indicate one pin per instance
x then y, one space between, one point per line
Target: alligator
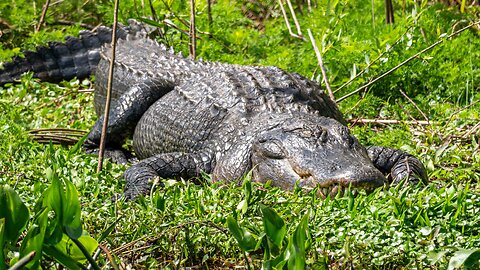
189 117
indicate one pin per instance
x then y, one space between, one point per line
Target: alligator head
313 151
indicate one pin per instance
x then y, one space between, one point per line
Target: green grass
185 224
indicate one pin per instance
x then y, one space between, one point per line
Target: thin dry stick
174 26
320 63
374 61
101 151
387 122
406 61
284 13
406 111
459 111
414 104
109 256
42 17
373 14
209 12
193 41
471 131
24 261
309 5
294 17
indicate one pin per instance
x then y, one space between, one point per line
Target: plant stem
406 61
86 253
23 261
42 17
101 151
320 63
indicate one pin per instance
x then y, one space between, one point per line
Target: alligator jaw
337 187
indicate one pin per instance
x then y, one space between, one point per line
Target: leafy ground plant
208 225
60 238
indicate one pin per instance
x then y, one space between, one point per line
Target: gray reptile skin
188 117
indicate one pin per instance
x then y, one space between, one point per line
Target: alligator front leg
125 112
139 177
398 165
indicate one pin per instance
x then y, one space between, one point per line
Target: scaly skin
188 117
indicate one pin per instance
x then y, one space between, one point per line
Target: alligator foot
115 154
140 176
398 165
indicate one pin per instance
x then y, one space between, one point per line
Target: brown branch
405 110
193 41
67 131
471 131
374 61
23 261
209 12
67 22
415 105
42 17
109 256
101 147
406 61
459 111
386 122
54 139
294 17
320 63
287 22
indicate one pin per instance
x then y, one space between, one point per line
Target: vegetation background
209 226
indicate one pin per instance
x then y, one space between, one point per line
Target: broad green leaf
14 212
464 257
2 243
60 257
297 245
274 225
108 230
34 240
54 195
247 188
434 257
69 248
245 239
71 212
65 204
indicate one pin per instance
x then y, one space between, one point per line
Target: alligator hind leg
399 165
125 112
139 176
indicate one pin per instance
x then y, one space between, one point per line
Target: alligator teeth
321 194
334 191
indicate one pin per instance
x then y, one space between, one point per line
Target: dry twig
101 149
415 105
193 41
287 23
42 17
373 62
109 256
406 61
386 122
320 63
294 17
23 261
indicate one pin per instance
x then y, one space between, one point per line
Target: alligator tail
76 57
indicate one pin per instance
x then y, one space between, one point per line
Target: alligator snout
333 162
337 182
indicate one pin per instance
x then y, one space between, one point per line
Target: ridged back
57 61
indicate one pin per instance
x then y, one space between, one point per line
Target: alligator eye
323 135
273 149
